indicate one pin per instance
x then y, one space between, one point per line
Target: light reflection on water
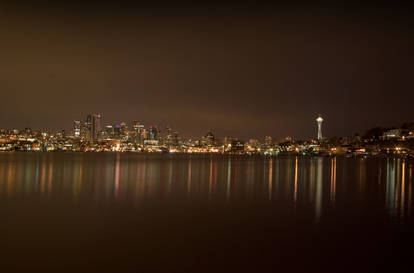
321 183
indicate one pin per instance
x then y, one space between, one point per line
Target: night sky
242 70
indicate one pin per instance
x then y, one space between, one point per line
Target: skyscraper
93 126
167 136
153 133
124 129
138 131
319 120
113 131
96 125
268 141
77 128
208 139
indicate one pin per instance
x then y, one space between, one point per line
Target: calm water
111 212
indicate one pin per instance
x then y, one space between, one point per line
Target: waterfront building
208 140
394 133
237 146
228 140
268 141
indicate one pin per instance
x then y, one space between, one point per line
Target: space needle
319 120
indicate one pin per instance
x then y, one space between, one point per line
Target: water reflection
390 186
333 180
298 182
228 188
312 179
318 195
402 204
410 183
270 183
398 188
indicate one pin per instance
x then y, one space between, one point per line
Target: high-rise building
77 128
138 131
319 120
208 139
167 136
124 128
96 125
237 146
113 131
228 140
268 141
253 142
87 128
144 134
88 123
153 133
93 125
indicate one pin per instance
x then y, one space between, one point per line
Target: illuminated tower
319 120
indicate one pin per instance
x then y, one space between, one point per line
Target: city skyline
241 69
93 135
94 123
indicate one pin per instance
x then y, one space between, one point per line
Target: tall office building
319 120
113 131
138 131
153 133
88 122
124 129
268 141
77 128
144 134
138 127
96 125
167 136
208 139
93 125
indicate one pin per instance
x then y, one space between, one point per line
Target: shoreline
281 155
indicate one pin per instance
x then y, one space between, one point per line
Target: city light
92 136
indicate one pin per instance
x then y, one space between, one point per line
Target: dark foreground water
111 212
